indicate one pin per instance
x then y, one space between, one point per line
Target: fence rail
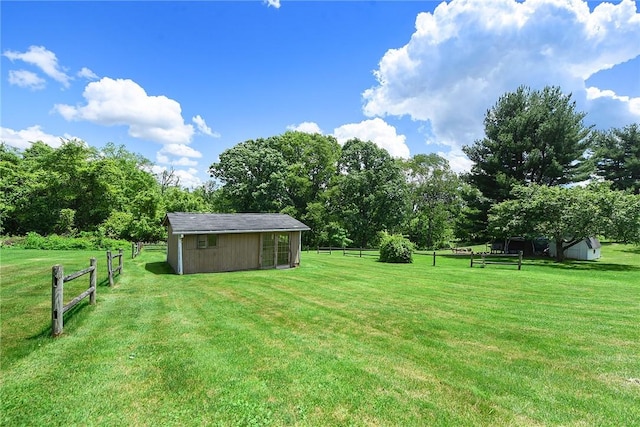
136 247
58 279
484 256
360 252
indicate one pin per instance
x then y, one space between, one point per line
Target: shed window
207 241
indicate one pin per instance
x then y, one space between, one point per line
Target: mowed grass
341 340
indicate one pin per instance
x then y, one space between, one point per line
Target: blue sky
180 82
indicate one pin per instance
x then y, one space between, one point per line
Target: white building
587 249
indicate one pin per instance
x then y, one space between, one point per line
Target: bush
85 241
396 248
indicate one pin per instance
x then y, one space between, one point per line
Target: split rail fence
111 271
483 258
486 259
58 279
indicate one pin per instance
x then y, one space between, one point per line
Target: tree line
535 149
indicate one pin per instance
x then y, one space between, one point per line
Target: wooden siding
232 252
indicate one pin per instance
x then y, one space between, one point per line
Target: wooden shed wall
232 252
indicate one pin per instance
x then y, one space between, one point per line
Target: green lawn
338 341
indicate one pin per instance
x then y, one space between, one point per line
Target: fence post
434 258
133 250
121 261
483 260
110 268
360 251
93 280
519 260
471 258
57 290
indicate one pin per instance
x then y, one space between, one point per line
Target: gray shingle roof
208 223
592 243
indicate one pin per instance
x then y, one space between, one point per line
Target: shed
588 249
213 242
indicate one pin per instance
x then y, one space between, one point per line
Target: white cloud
377 131
458 161
274 3
306 127
467 53
86 73
188 178
112 102
180 150
23 138
203 128
43 59
182 161
28 79
615 109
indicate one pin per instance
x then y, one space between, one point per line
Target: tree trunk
559 250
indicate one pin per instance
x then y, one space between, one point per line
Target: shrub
85 241
396 248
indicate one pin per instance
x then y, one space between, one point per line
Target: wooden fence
136 247
110 270
359 252
484 256
58 279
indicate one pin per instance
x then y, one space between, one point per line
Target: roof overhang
187 233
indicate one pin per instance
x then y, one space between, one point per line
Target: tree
434 198
253 176
75 187
369 194
285 173
531 137
617 157
311 166
10 160
565 215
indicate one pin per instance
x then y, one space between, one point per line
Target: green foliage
617 157
84 241
532 137
285 173
334 235
434 192
396 248
369 193
566 215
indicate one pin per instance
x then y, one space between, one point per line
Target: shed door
268 250
283 249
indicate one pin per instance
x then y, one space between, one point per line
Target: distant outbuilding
587 249
212 242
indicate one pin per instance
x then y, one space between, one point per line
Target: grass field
338 341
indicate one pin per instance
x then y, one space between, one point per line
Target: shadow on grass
161 267
635 250
571 265
585 265
68 317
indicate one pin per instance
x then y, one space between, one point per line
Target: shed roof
592 243
216 223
